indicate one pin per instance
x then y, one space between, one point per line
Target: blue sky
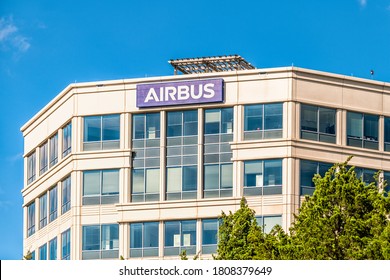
46 44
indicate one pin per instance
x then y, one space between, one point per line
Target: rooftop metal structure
210 64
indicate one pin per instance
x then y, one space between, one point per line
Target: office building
142 168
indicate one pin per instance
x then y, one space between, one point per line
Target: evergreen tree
345 218
239 235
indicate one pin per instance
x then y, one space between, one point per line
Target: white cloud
6 30
10 36
362 3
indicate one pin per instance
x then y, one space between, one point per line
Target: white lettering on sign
183 92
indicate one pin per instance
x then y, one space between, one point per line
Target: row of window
261 177
49 251
48 205
48 153
261 121
319 124
308 168
102 241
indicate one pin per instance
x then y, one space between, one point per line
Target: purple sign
177 93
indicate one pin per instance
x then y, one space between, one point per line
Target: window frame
261 222
43 221
210 247
175 249
53 150
31 213
144 250
43 158
31 167
102 143
363 140
101 252
53 207
262 132
65 245
317 134
309 190
66 188
67 139
263 188
53 249
101 197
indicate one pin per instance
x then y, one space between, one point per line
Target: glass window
144 239
43 159
181 182
190 123
66 185
65 241
273 172
174 179
367 175
211 177
53 155
152 180
263 177
101 132
307 172
145 185
318 123
91 238
267 223
110 128
273 116
53 201
182 150
362 130
138 126
180 235
210 235
53 249
31 168
263 121
100 186
182 123
218 177
146 126
227 175
92 129
43 211
110 237
174 124
387 134
100 241
67 139
253 117
218 180
31 219
43 252
218 121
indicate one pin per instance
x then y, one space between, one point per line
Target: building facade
142 168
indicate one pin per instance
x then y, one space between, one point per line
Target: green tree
344 219
239 235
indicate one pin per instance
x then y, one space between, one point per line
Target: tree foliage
344 219
239 235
